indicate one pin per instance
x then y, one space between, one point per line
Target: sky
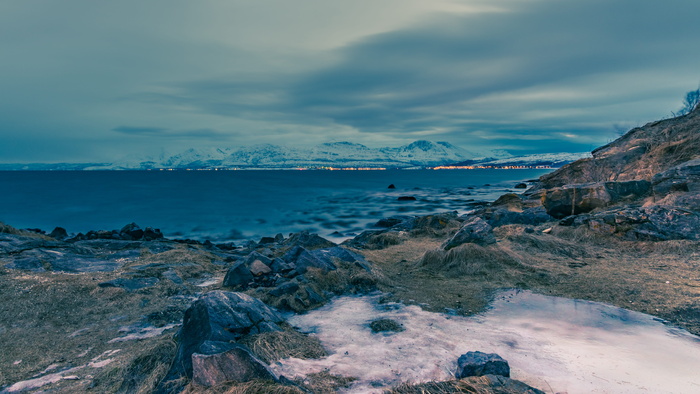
94 81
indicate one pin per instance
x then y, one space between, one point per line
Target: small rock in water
521 186
59 233
392 186
479 364
407 198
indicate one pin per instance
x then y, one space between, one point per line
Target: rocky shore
129 311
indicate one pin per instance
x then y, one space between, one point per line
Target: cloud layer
528 76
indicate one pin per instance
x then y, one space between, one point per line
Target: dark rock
531 216
406 198
510 201
583 198
672 223
223 317
285 288
392 221
681 178
150 234
479 364
65 259
238 276
438 221
392 186
385 325
308 241
234 364
282 267
130 284
521 186
266 241
59 233
226 246
279 237
303 259
342 254
132 231
474 230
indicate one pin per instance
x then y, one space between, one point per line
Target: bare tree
691 102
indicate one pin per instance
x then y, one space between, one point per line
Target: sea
236 206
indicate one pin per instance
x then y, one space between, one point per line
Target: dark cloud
139 130
537 74
163 132
431 78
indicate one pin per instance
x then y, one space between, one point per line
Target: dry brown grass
252 387
468 259
316 383
473 385
273 346
325 383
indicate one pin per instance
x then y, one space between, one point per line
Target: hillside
639 154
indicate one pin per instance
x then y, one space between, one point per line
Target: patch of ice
147 332
84 353
569 345
211 281
100 364
41 381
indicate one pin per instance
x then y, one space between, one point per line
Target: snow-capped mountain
335 154
540 159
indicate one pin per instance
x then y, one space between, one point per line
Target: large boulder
474 230
575 199
221 316
583 198
479 364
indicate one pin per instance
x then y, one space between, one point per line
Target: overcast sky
86 80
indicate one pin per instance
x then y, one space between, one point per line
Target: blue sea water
225 206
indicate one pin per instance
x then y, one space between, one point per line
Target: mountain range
335 154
